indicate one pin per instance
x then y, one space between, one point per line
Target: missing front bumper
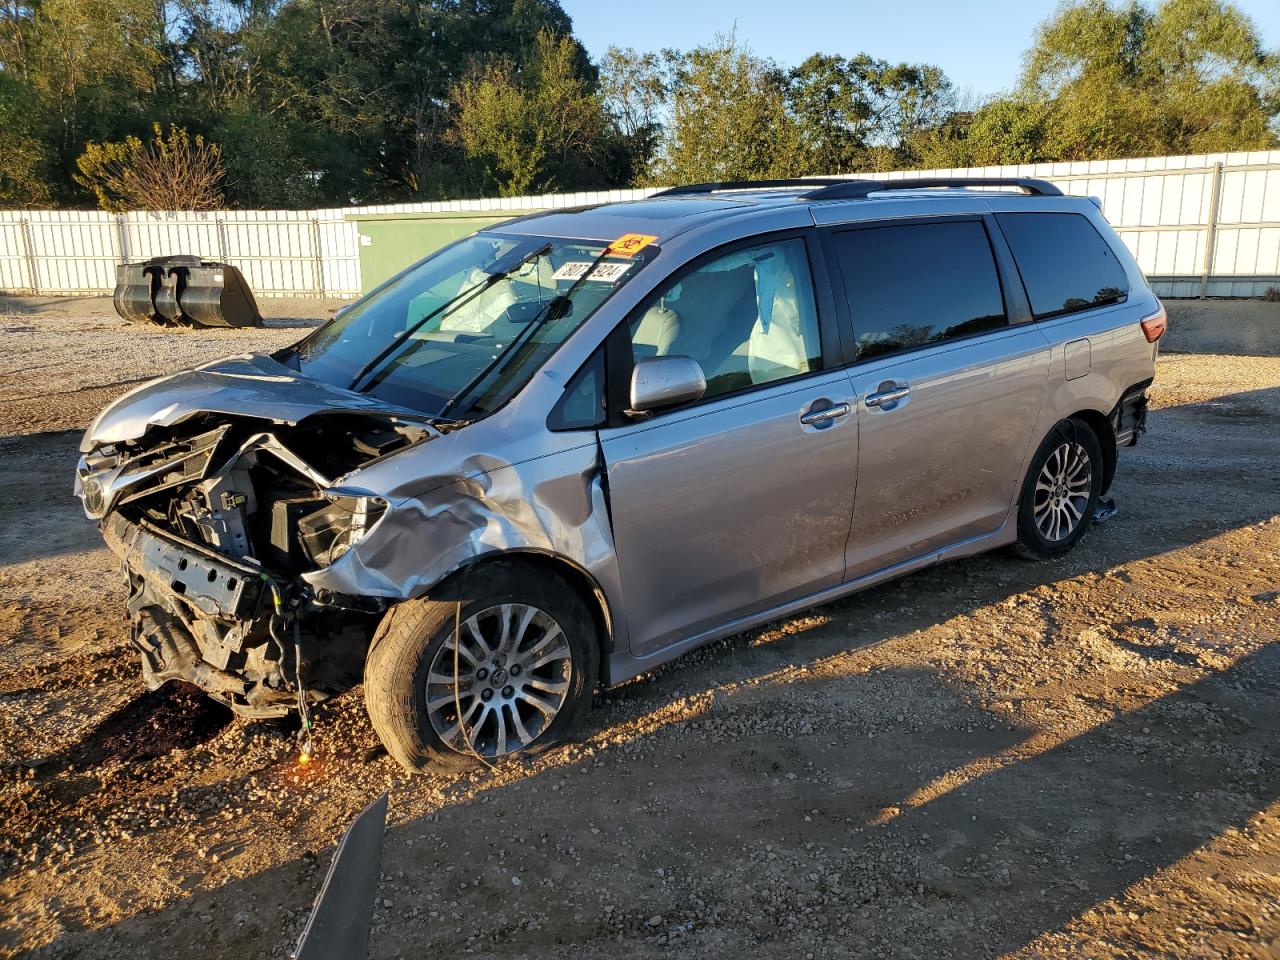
212 584
203 618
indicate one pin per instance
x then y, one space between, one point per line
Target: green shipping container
389 242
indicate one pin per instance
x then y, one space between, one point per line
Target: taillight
1154 326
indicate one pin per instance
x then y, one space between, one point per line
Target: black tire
1034 541
413 634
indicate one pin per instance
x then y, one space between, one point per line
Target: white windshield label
603 273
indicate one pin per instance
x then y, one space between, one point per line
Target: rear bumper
1129 417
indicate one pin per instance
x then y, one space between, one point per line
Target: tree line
168 104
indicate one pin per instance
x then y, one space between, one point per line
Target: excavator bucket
135 293
185 290
216 295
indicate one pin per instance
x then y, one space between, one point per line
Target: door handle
833 412
887 396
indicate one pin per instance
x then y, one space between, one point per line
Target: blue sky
978 44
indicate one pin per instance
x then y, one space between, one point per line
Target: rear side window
918 284
1065 264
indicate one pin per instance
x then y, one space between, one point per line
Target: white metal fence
1205 225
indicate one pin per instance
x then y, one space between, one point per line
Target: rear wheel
1060 492
517 680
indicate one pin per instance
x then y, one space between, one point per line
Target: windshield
462 331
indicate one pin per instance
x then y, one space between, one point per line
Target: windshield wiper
460 299
552 311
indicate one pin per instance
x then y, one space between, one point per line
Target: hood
248 385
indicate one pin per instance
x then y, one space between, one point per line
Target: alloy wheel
514 668
1062 491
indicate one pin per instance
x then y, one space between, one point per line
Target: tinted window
748 318
1064 262
917 284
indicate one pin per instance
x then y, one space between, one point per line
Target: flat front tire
1060 491
517 681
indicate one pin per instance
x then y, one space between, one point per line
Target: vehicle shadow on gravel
817 852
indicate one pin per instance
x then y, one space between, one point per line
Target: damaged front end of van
221 490
268 510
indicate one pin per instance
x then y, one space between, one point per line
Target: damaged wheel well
1102 429
574 578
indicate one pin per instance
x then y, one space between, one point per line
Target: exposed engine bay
215 518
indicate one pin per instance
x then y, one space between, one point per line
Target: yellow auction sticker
629 244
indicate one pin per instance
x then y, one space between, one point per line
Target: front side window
462 331
915 285
747 317
1065 264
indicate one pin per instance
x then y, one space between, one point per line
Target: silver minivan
572 446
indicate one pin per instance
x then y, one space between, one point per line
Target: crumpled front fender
554 505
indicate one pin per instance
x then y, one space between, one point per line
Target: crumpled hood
250 385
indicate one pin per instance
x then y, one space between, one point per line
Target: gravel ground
65 358
1078 758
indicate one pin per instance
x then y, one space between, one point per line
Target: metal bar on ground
338 928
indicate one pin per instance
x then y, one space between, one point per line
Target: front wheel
1060 492
518 679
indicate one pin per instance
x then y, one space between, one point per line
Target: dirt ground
992 758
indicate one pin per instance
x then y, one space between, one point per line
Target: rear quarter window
1065 263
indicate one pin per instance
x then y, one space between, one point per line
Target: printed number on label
603 273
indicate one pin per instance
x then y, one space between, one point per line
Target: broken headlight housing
331 531
96 477
107 475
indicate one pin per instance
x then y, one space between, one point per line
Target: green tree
834 108
862 112
533 130
1218 82
23 178
729 118
912 97
1005 130
636 89
88 64
1106 80
1189 76
371 82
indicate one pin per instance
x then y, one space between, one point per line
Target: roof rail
861 189
695 188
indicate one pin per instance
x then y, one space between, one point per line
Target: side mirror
658 382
